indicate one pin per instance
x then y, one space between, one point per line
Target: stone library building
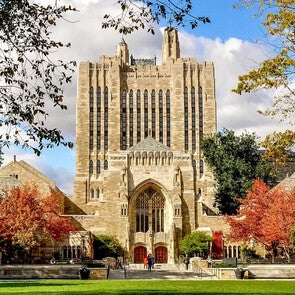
140 175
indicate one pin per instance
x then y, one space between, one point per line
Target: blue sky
226 22
228 41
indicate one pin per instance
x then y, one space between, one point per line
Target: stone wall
48 272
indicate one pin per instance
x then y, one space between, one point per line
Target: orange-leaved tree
27 218
265 216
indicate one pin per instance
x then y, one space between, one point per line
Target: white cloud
232 58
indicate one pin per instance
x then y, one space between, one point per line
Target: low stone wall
98 273
48 272
251 271
270 271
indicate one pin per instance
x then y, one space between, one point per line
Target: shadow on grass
83 287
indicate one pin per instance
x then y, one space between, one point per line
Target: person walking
145 262
150 262
119 263
186 262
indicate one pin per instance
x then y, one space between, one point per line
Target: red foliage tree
26 219
267 216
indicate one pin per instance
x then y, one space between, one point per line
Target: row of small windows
232 251
96 194
136 111
98 168
71 252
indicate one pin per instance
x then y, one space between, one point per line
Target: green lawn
146 287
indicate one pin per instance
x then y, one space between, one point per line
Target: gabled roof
9 169
149 144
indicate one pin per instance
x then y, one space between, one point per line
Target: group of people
148 262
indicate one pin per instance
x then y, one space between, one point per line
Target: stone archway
139 253
150 221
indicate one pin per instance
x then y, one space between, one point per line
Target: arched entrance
161 254
139 253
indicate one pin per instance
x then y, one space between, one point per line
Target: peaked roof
30 169
149 144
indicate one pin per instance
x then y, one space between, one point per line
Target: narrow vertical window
90 167
168 126
138 115
123 120
106 118
131 127
146 114
200 94
98 167
185 119
201 168
153 114
161 115
193 119
91 122
98 118
194 164
105 165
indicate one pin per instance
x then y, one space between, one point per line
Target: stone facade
140 175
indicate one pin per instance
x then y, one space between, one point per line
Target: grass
132 287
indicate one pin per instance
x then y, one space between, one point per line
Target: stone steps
135 273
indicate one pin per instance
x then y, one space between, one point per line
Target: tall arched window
131 127
90 167
185 119
123 119
106 118
168 126
201 167
193 119
150 211
146 113
98 118
91 122
138 116
91 97
194 164
153 114
105 165
98 167
200 97
161 115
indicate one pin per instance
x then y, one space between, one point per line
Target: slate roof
149 144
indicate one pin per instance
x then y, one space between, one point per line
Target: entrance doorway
139 253
161 254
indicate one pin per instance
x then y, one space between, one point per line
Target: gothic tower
140 175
